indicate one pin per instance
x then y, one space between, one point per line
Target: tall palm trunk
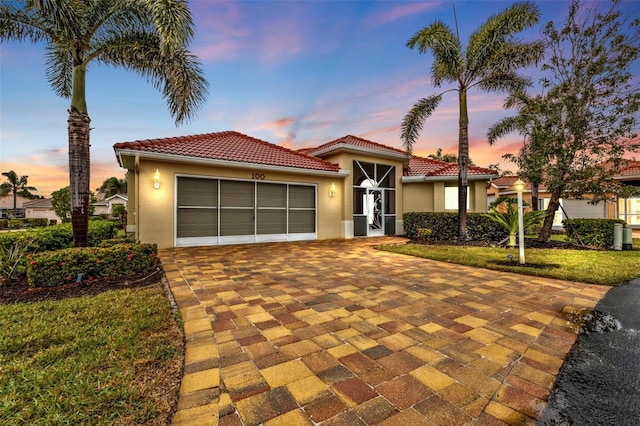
79 158
554 204
463 162
534 197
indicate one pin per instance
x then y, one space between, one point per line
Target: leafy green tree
61 203
16 185
112 186
488 63
149 37
580 128
118 211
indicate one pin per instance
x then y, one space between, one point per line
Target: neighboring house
226 187
106 206
627 209
41 209
6 206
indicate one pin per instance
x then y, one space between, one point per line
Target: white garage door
581 209
223 211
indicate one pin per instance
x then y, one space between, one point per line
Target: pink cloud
280 40
225 33
384 17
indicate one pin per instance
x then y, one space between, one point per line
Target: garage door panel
581 209
302 221
302 197
197 192
272 195
236 222
237 194
197 223
272 221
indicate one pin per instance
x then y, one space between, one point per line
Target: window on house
629 210
451 198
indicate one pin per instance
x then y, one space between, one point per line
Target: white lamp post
519 187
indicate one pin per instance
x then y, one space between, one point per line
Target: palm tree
532 124
15 185
149 37
113 186
488 63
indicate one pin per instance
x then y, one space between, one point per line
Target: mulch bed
17 291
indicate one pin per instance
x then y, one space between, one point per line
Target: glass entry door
374 211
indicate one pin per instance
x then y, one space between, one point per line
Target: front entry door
375 201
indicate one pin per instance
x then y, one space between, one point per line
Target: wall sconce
332 190
156 179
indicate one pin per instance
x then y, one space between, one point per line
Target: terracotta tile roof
354 141
419 166
629 168
505 181
229 146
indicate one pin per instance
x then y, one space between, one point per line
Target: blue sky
295 73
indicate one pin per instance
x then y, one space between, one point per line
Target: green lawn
114 358
588 266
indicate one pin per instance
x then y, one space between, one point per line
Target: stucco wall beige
156 208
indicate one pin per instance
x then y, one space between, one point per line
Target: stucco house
227 187
41 209
627 209
6 206
106 206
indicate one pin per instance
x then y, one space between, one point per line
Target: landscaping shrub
4 223
444 226
59 267
592 232
46 239
482 228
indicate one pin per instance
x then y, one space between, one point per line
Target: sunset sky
295 73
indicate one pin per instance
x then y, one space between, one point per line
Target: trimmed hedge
52 268
30 222
51 238
592 232
444 226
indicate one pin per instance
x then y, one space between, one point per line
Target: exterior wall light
332 190
156 179
519 187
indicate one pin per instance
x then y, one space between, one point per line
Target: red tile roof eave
177 158
229 146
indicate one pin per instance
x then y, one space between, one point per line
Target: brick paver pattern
339 333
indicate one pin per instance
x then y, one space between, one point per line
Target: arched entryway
374 199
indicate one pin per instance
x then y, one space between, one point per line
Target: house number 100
258 176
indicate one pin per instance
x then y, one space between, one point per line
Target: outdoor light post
519 186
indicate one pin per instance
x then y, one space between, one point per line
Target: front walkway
338 333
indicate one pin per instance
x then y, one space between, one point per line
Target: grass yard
611 268
113 358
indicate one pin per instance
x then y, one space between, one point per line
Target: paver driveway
338 333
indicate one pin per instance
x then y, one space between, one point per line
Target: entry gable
358 145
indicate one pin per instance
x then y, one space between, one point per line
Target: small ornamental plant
505 212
